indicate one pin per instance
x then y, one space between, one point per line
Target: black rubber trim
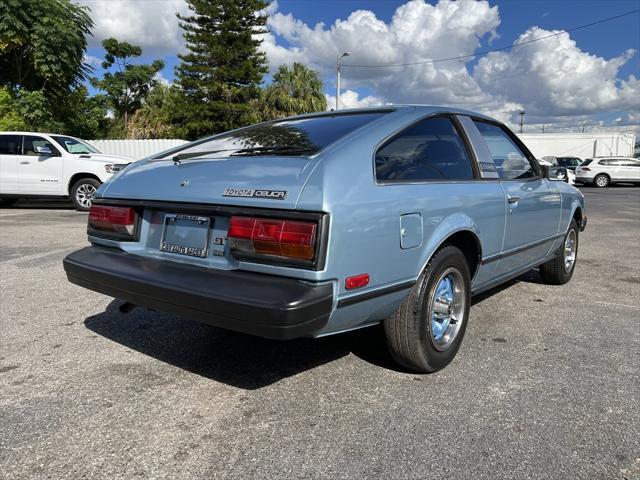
375 293
264 305
498 256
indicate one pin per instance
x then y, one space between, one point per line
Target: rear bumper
264 305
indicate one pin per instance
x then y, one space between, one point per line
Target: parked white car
553 162
604 171
50 165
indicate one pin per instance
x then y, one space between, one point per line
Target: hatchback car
319 224
602 172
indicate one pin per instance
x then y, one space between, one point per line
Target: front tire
601 181
424 334
82 193
559 270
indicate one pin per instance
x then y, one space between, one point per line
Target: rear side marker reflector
357 281
264 236
119 220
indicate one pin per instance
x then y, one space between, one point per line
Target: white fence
581 145
135 149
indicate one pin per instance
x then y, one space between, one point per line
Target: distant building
581 145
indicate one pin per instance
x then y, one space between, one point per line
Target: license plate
185 235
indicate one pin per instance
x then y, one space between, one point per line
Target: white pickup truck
50 165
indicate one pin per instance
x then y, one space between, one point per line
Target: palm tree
293 91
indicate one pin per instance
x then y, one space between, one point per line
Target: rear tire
7 202
559 270
424 334
601 181
82 193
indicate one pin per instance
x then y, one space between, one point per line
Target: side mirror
556 173
42 150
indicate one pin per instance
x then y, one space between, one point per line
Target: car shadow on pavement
38 204
242 360
236 359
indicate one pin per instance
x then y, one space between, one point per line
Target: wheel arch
465 237
79 176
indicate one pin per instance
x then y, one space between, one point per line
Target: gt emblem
184 183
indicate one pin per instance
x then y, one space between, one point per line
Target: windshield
298 136
73 145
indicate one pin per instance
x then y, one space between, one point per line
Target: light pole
338 64
521 120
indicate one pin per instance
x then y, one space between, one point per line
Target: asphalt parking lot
546 383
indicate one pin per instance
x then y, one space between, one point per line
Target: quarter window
9 144
429 150
511 162
31 144
630 163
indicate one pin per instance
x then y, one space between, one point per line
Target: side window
31 144
609 163
511 162
630 163
10 144
429 150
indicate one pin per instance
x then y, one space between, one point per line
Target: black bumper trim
264 305
345 302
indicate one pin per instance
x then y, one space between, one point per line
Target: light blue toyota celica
324 223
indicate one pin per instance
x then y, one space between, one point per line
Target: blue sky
601 55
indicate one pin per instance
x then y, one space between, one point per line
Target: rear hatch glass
296 136
586 162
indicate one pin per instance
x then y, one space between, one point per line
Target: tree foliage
127 86
221 74
10 117
294 90
42 44
153 119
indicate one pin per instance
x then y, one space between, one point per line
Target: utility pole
521 120
338 64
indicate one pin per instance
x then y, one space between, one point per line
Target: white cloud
151 24
351 99
553 80
158 77
418 31
556 78
93 62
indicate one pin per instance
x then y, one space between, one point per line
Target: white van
51 165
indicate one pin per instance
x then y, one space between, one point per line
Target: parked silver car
602 172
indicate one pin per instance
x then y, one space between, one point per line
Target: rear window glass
9 144
301 136
586 162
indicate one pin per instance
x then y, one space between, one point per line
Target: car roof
423 109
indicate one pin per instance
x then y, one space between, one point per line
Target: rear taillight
249 236
585 169
120 221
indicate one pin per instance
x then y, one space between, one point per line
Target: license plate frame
174 223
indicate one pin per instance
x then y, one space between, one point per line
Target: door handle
25 163
512 200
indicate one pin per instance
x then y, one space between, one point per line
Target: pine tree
220 76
